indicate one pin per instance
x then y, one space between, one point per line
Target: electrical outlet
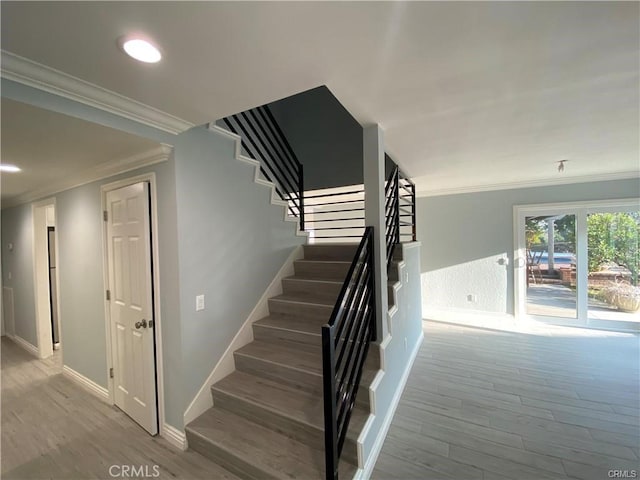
472 297
199 302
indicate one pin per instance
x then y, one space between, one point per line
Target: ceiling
471 95
56 151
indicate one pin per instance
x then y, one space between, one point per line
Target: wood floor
479 404
482 404
54 429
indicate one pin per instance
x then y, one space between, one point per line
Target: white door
132 332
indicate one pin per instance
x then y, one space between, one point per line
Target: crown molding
527 184
98 172
33 74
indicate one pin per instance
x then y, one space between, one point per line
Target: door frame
155 281
580 210
41 276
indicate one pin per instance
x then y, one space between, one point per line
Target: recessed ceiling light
9 168
140 49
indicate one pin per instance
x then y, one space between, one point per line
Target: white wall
466 238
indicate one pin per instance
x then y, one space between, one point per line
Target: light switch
199 302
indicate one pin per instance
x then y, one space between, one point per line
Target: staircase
267 418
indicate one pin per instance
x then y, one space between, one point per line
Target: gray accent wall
328 142
466 237
232 242
17 229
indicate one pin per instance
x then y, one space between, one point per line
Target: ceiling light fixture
561 165
140 49
9 168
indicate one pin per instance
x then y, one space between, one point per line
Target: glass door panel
551 265
613 263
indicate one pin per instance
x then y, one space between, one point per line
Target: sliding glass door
551 265
578 264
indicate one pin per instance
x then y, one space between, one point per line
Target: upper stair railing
345 343
264 141
400 209
335 214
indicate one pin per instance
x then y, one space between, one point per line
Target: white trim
98 390
257 177
155 257
21 342
9 320
33 74
175 437
603 177
99 172
365 472
226 364
472 318
42 304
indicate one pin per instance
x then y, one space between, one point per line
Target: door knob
142 324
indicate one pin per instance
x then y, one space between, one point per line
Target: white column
373 153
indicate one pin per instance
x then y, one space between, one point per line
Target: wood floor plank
54 429
519 406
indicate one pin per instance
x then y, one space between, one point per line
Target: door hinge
111 373
105 215
108 294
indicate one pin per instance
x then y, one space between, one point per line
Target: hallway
54 429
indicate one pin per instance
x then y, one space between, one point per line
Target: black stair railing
400 209
345 343
264 141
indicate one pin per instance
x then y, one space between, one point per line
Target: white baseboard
99 391
175 437
473 318
226 365
365 472
21 342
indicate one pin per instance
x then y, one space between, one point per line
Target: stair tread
274 453
287 322
312 280
302 299
300 405
308 360
295 355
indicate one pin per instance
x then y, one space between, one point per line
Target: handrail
400 209
263 140
345 343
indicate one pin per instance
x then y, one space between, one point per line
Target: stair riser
319 313
327 270
319 291
236 464
270 334
305 433
299 431
340 253
279 373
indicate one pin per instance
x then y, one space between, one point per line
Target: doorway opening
46 281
